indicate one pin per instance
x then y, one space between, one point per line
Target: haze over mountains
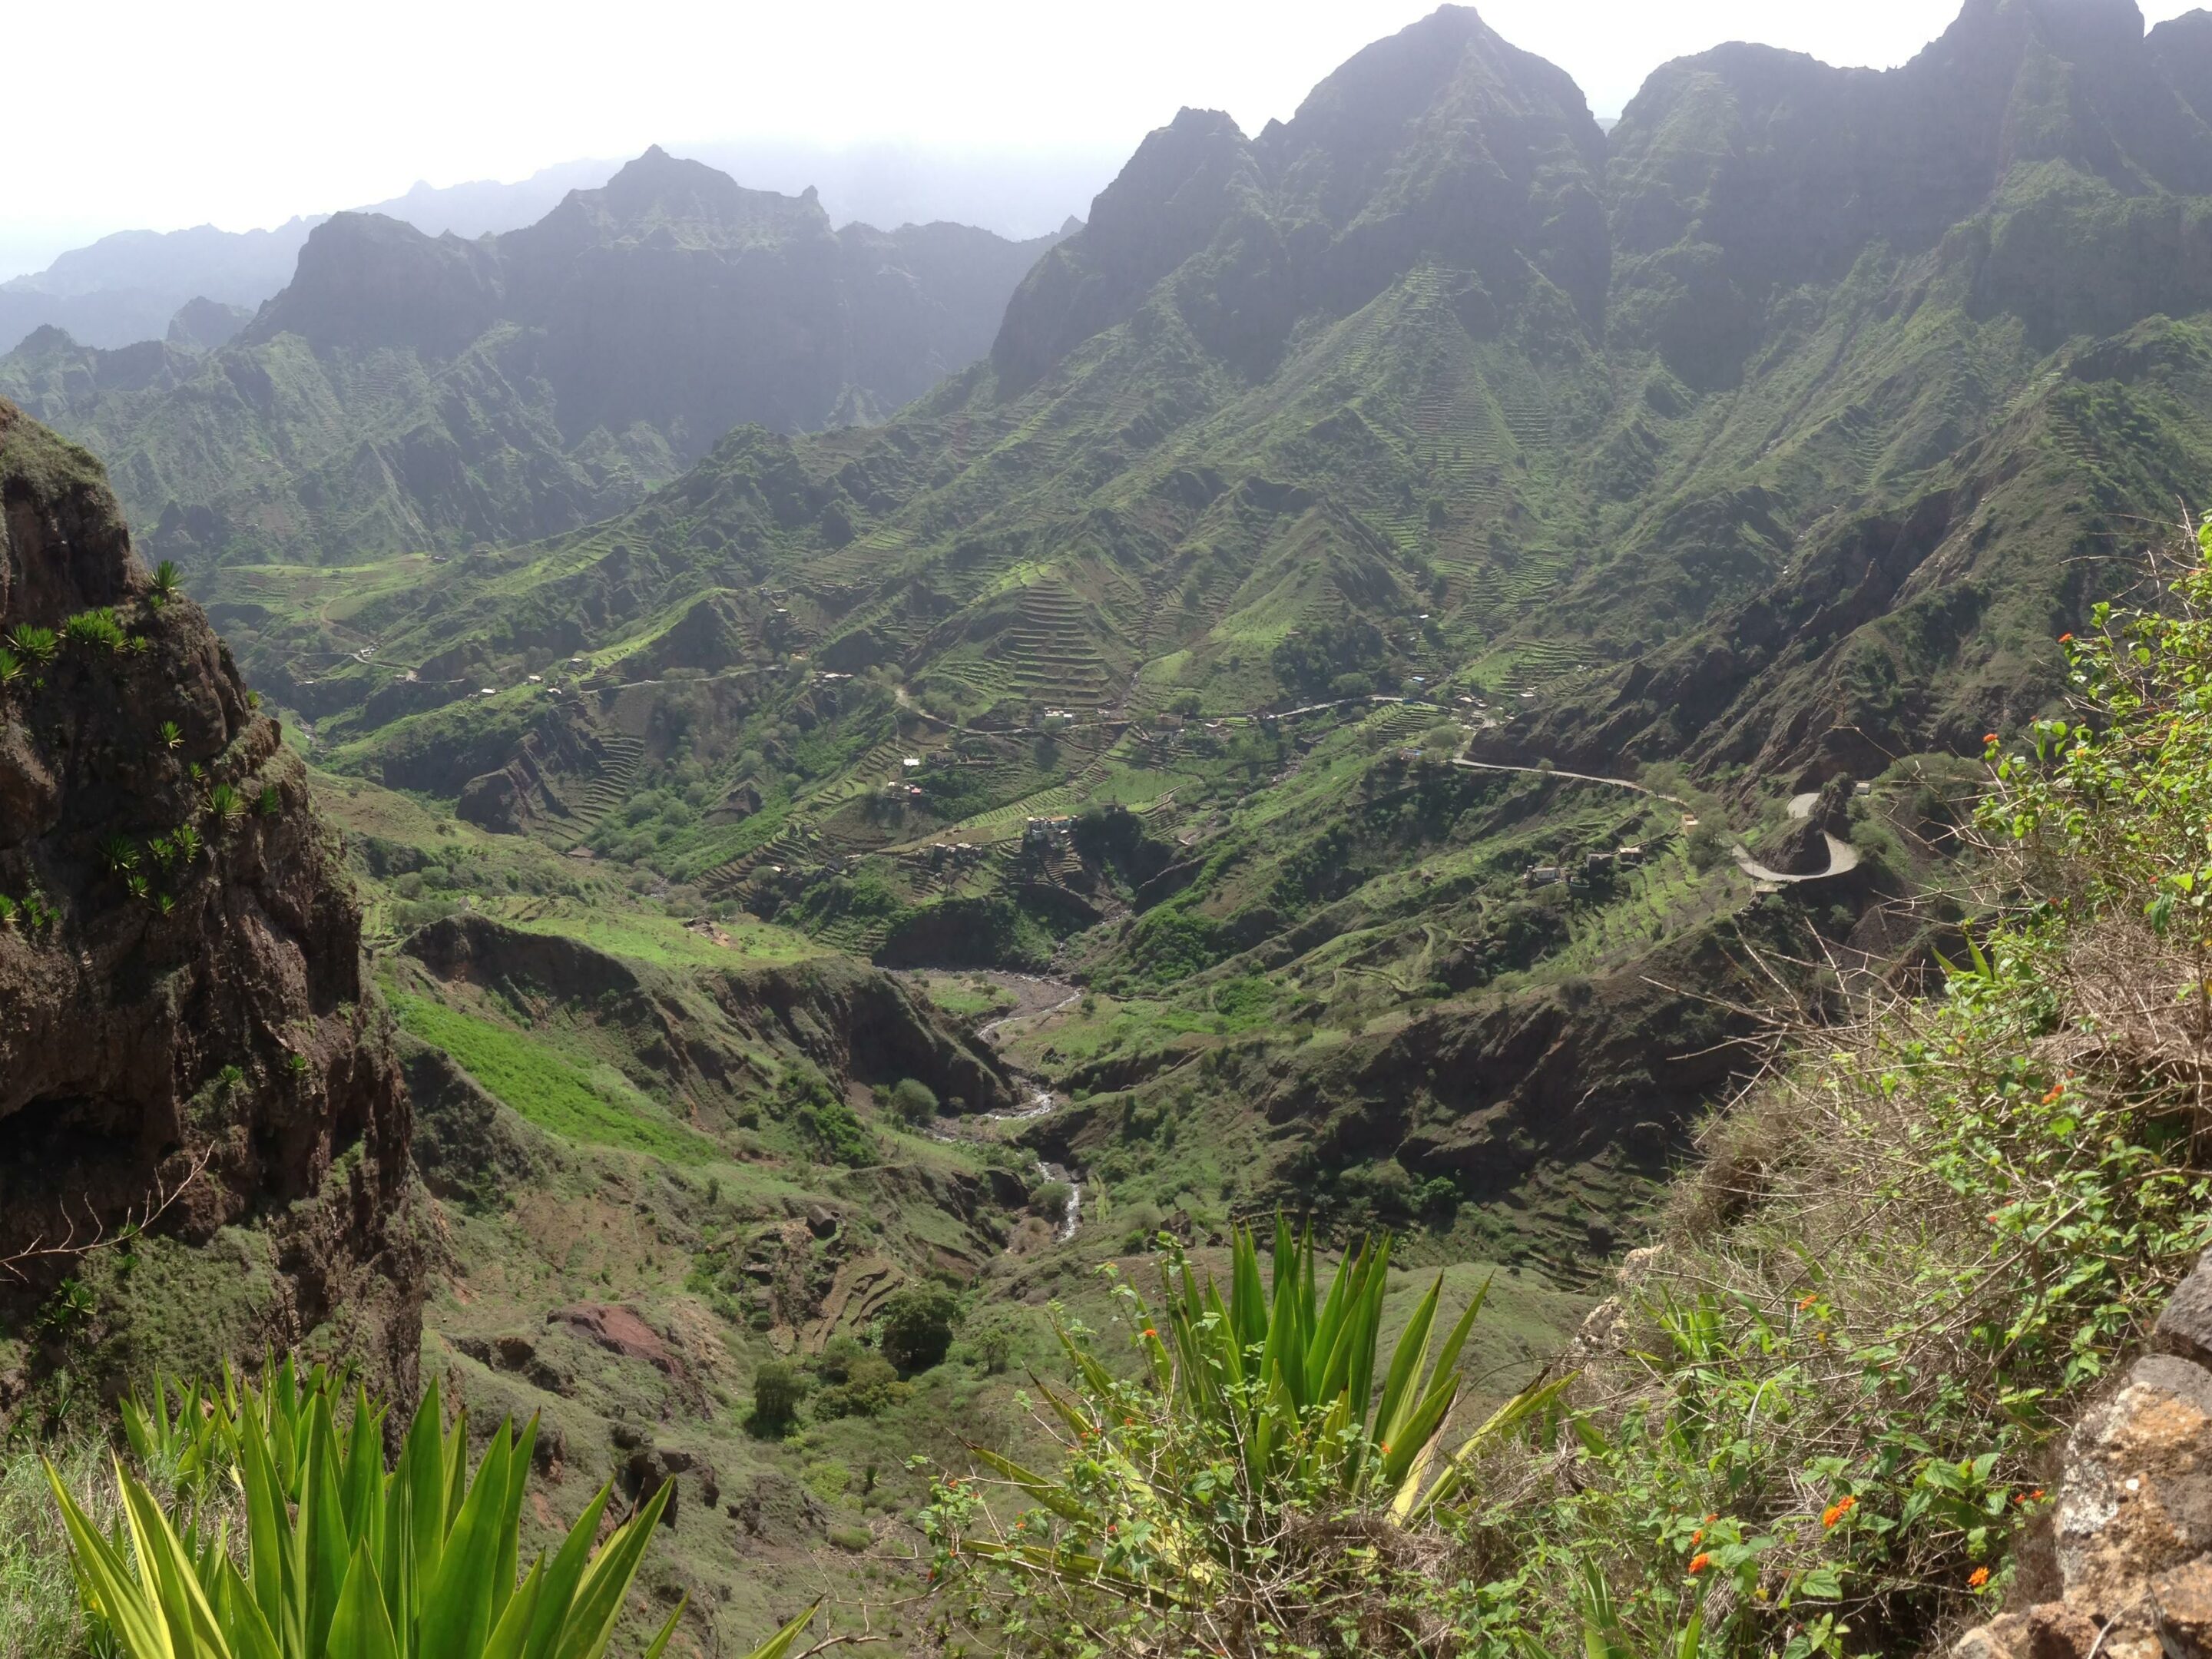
405 390
127 286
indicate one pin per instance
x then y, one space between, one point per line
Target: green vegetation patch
546 1089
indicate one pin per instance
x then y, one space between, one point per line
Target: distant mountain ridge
407 390
127 286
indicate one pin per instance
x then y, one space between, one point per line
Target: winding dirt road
1843 857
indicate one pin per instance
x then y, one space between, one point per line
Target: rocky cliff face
2123 1566
1743 172
182 1010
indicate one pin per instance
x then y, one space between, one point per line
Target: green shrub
1050 1199
913 1101
992 1337
868 1385
36 646
917 1326
777 1391
838 1130
1439 1199
1248 1478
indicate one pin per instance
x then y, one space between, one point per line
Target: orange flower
1699 1562
1807 1300
1714 1516
1836 1511
1975 1579
1150 1331
2064 638
1989 736
1698 1537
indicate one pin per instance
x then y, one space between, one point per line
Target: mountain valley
813 801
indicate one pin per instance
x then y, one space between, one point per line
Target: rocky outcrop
183 1012
2133 1518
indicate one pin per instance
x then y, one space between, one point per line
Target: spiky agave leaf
343 1559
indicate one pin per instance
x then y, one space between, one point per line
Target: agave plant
166 581
100 627
1273 1403
223 801
172 735
343 1559
186 840
269 803
36 646
193 1445
117 854
11 666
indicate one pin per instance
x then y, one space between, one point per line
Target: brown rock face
182 1004
2137 1499
2134 1530
619 1330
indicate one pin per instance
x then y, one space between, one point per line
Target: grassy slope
628 1205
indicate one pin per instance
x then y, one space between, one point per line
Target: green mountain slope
1769 438
408 392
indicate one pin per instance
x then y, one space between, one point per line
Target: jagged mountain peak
1186 181
2181 48
1739 174
1441 140
1449 67
368 280
697 204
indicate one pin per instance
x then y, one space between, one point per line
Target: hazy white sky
245 112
